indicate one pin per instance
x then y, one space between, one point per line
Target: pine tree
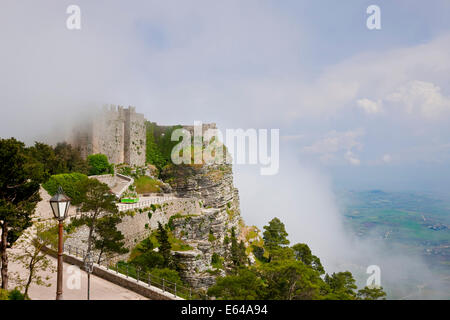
164 245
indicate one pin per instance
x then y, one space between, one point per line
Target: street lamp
60 206
89 267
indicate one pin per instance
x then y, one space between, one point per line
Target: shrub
169 275
4 294
70 182
98 164
16 295
11 295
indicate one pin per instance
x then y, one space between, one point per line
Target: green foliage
14 294
167 274
164 245
148 259
96 201
107 239
146 184
290 273
98 164
303 254
4 294
258 252
245 285
275 235
374 293
159 144
70 182
125 170
69 160
61 159
341 286
217 261
211 237
290 280
238 256
19 194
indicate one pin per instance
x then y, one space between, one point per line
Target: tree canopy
291 273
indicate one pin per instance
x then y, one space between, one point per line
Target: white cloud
369 106
334 143
424 98
352 159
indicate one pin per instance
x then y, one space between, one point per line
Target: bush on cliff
98 164
159 144
70 182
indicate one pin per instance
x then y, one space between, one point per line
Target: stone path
100 289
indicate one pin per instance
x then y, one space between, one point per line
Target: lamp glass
60 204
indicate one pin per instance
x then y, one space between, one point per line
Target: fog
302 197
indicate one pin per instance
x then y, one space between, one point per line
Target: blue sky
363 106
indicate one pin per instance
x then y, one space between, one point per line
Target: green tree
107 239
44 157
341 286
145 257
98 164
69 159
303 253
290 280
237 253
245 285
373 293
170 277
19 194
275 236
61 159
164 245
96 201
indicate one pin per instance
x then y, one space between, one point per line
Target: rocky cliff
207 233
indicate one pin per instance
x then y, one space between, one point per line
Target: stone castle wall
117 132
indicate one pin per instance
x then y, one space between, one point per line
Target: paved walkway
100 289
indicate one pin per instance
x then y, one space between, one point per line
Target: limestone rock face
213 184
207 232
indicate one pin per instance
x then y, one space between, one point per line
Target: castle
117 132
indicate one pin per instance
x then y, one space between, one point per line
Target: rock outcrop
207 233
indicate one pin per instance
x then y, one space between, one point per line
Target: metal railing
131 271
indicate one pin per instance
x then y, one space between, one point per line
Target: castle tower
117 132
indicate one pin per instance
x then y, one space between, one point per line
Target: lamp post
60 206
89 267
